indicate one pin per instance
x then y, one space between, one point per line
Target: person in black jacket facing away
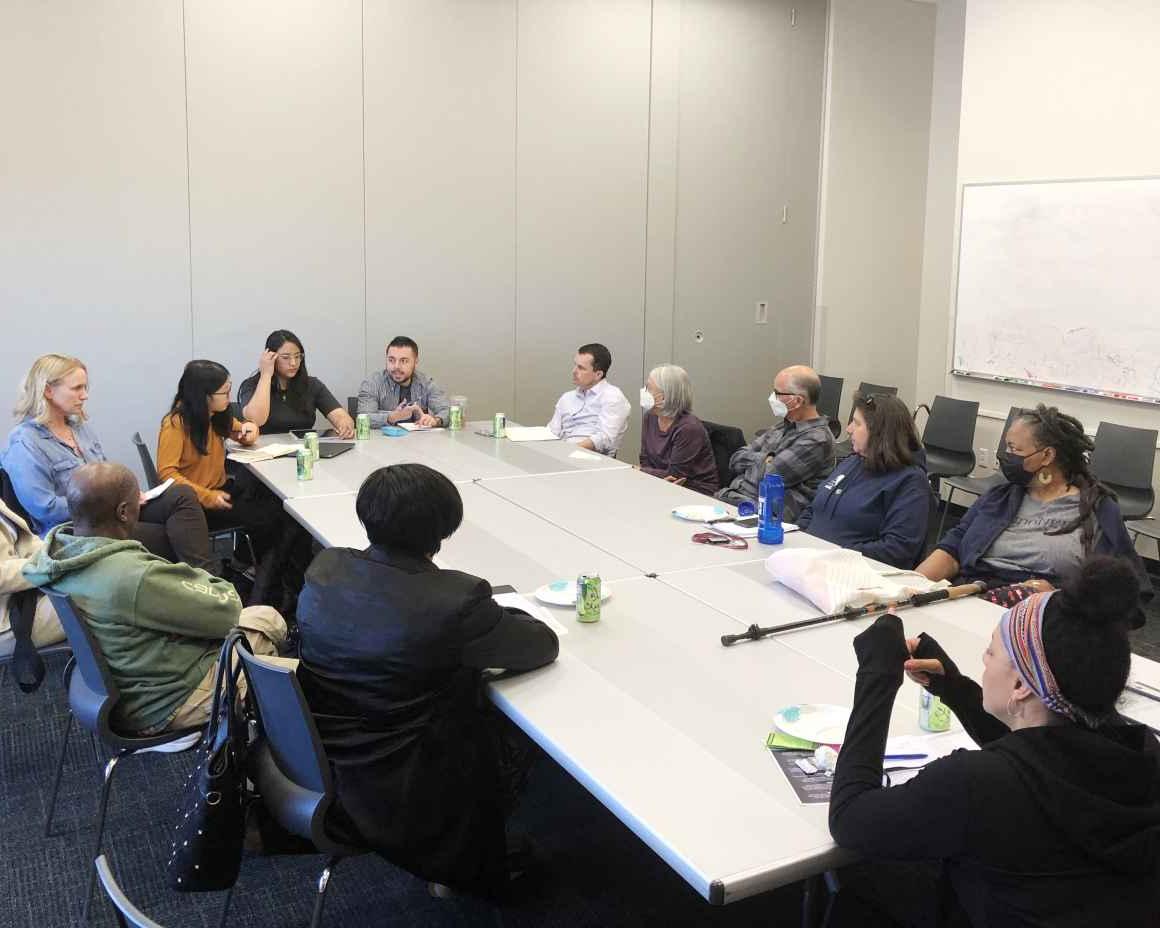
392 653
1056 821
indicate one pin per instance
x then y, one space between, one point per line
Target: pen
905 757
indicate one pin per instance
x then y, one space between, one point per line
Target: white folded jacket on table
840 579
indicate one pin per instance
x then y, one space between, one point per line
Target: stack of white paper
157 490
264 453
530 433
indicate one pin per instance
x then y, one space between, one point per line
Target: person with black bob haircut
393 649
1056 821
877 500
282 395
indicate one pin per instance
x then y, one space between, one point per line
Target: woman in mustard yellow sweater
191 450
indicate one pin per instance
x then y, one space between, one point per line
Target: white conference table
749 595
667 728
462 456
645 708
497 541
628 514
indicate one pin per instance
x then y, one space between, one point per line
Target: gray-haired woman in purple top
673 442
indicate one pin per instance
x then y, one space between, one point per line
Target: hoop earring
1043 477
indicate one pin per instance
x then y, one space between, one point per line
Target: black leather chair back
147 465
724 439
1123 459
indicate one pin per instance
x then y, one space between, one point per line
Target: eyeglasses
732 542
291 358
779 393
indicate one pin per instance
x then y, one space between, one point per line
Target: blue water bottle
770 501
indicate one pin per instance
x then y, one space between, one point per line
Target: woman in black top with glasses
282 396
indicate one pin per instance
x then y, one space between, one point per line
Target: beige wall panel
877 148
440 137
275 142
93 223
581 181
734 180
664 124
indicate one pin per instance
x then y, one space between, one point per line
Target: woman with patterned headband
1056 821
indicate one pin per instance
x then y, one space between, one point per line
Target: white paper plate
700 513
814 722
563 593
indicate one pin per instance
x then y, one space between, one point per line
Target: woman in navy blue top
877 501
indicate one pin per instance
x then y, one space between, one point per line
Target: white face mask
646 400
779 408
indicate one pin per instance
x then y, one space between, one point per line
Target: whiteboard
1059 286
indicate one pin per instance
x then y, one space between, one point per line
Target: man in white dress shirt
595 414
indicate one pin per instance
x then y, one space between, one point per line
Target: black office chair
231 531
829 399
977 486
1123 459
949 438
289 767
724 440
92 697
11 500
127 914
1149 528
867 388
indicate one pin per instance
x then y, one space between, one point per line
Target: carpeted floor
594 872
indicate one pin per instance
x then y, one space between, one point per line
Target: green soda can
311 441
305 461
588 598
362 427
933 713
499 425
455 422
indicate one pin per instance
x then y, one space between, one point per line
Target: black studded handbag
206 852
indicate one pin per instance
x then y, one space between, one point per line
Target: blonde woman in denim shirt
52 439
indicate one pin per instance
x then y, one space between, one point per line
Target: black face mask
1011 465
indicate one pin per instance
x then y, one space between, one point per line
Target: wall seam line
516 222
647 191
188 181
363 93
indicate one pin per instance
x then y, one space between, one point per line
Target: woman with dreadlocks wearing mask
1049 516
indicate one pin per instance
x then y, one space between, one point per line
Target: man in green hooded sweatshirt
159 625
